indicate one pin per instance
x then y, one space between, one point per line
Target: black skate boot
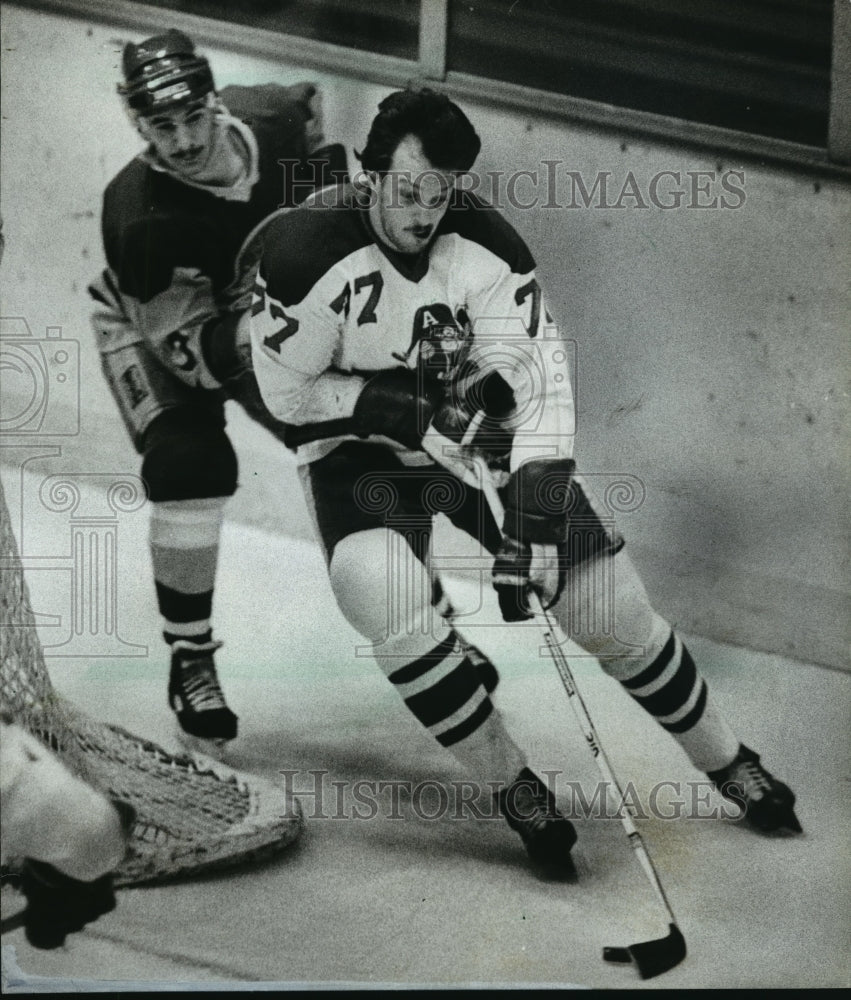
206 722
530 809
767 804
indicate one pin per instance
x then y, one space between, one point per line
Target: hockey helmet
163 71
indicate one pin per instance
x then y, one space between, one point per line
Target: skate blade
785 825
790 825
215 748
793 823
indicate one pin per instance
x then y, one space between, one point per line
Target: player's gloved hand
397 403
533 552
58 905
469 423
226 348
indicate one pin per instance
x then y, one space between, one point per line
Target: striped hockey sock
184 543
488 674
673 692
443 689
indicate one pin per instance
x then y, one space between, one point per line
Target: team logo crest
440 341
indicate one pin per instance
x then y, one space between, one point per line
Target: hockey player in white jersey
384 319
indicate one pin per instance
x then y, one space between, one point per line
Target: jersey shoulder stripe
473 219
303 245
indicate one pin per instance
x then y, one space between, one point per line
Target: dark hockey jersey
178 254
333 303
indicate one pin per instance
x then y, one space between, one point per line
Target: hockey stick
651 958
296 435
12 923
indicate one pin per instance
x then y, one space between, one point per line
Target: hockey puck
619 955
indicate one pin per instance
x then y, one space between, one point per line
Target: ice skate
766 803
206 724
529 808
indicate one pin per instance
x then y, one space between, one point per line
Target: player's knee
610 616
187 459
373 573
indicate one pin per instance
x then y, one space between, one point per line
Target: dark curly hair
448 138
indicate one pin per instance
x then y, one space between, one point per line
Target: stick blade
651 958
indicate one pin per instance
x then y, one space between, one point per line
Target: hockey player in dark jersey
385 318
180 223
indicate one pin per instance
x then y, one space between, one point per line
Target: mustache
187 154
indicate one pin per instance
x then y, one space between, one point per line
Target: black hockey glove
453 441
419 412
533 553
225 347
58 905
397 403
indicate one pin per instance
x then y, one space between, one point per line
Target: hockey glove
533 553
397 403
454 441
58 905
226 347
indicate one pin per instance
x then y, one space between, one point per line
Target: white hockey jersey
333 305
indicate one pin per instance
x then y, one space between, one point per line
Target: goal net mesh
193 814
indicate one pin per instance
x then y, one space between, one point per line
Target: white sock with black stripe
673 692
488 674
387 594
442 688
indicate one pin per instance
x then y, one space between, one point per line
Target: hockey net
193 814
